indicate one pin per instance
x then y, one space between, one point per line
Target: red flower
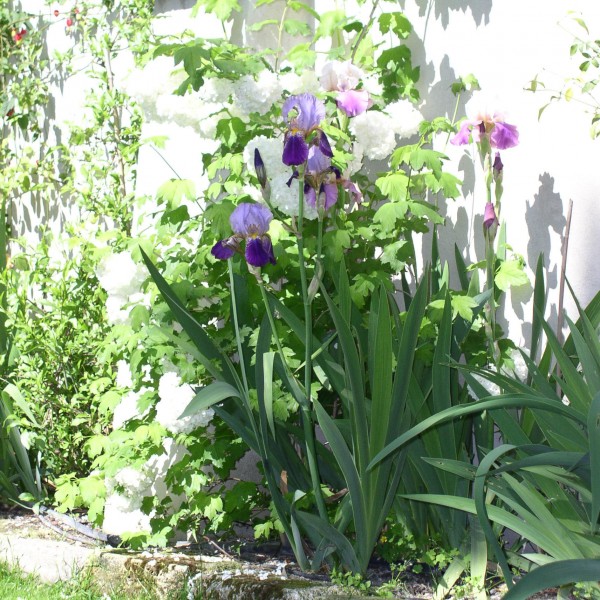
69 22
56 12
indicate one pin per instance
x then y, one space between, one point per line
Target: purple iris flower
327 196
354 102
303 114
500 134
249 222
489 216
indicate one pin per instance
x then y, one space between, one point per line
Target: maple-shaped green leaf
424 209
511 274
222 9
296 27
92 487
361 288
392 255
335 242
446 183
387 215
331 22
218 216
394 186
395 22
463 306
175 190
419 158
301 56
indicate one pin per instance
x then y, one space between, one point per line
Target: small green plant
351 580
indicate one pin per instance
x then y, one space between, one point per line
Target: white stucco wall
505 45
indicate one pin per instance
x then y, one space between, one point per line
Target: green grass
17 585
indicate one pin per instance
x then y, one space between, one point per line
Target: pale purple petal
250 219
331 194
489 215
310 196
317 161
223 250
259 251
310 111
295 150
354 102
354 193
463 135
504 136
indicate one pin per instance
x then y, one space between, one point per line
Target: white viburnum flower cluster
376 131
122 278
124 378
128 409
257 96
283 196
174 398
126 490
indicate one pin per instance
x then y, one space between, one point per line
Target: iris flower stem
260 431
307 423
490 259
237 329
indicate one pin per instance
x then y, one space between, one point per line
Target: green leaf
395 22
335 242
175 190
221 8
392 255
295 27
555 573
301 56
387 215
217 214
209 395
394 186
594 435
510 274
463 306
258 26
331 22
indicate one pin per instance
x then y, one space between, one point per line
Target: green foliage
56 314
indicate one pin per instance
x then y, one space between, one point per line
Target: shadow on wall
547 211
441 9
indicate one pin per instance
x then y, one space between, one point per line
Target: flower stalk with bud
491 133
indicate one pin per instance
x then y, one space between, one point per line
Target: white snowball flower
374 131
119 275
216 90
124 378
134 481
405 117
127 409
122 514
174 398
122 278
306 82
283 196
257 96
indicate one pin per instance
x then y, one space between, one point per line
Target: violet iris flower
249 222
489 216
303 114
354 102
501 135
